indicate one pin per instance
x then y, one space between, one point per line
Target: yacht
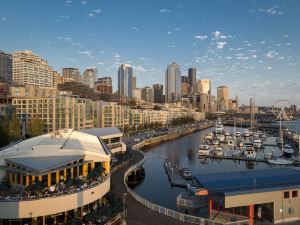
281 161
238 134
221 137
246 133
219 128
216 142
208 136
288 151
203 150
227 133
250 153
219 151
230 143
236 152
257 143
186 173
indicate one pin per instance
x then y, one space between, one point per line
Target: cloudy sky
242 44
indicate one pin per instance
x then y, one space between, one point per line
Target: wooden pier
236 158
174 175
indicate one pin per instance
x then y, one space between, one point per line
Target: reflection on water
183 152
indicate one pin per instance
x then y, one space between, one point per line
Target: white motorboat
208 136
238 134
281 161
236 152
216 142
264 136
230 143
219 151
246 133
227 133
250 153
257 143
219 128
221 137
288 151
268 155
203 150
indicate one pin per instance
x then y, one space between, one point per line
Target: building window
286 194
294 194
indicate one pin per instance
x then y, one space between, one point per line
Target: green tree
4 134
36 127
14 129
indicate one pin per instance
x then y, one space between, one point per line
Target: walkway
137 214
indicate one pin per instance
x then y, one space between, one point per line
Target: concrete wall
52 205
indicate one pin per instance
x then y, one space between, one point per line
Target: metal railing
56 194
171 213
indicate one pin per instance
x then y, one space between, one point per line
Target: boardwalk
137 214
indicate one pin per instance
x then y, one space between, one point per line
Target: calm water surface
183 151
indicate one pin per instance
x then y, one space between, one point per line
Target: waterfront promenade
137 214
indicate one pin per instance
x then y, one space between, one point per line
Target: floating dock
174 175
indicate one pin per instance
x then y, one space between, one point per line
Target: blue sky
242 44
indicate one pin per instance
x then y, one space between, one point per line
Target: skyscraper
30 69
173 83
192 79
184 85
89 77
71 74
148 94
133 83
223 98
5 67
205 86
158 93
125 80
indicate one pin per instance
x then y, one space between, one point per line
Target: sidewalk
137 214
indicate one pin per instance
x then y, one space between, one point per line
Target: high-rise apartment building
5 67
30 69
133 83
71 74
148 94
104 85
125 80
89 77
184 85
173 83
113 115
158 93
192 75
57 112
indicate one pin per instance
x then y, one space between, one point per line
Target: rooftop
254 181
99 132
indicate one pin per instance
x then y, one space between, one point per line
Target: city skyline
256 46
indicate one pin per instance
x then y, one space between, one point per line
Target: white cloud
164 11
221 44
71 60
285 36
94 12
177 29
262 42
169 32
270 11
200 37
139 68
216 34
135 28
86 53
117 55
254 56
4 19
272 54
83 2
100 63
97 11
268 68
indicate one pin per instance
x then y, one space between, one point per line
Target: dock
174 175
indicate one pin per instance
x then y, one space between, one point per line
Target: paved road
137 214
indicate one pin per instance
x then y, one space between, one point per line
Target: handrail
57 194
168 212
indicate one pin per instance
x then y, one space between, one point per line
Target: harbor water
183 153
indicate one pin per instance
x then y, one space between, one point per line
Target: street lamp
124 205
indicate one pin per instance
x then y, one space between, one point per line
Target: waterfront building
133 83
137 94
53 177
57 79
192 75
158 93
30 91
184 85
269 194
71 74
148 94
113 115
57 112
5 67
104 85
30 69
173 83
89 77
111 136
125 80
